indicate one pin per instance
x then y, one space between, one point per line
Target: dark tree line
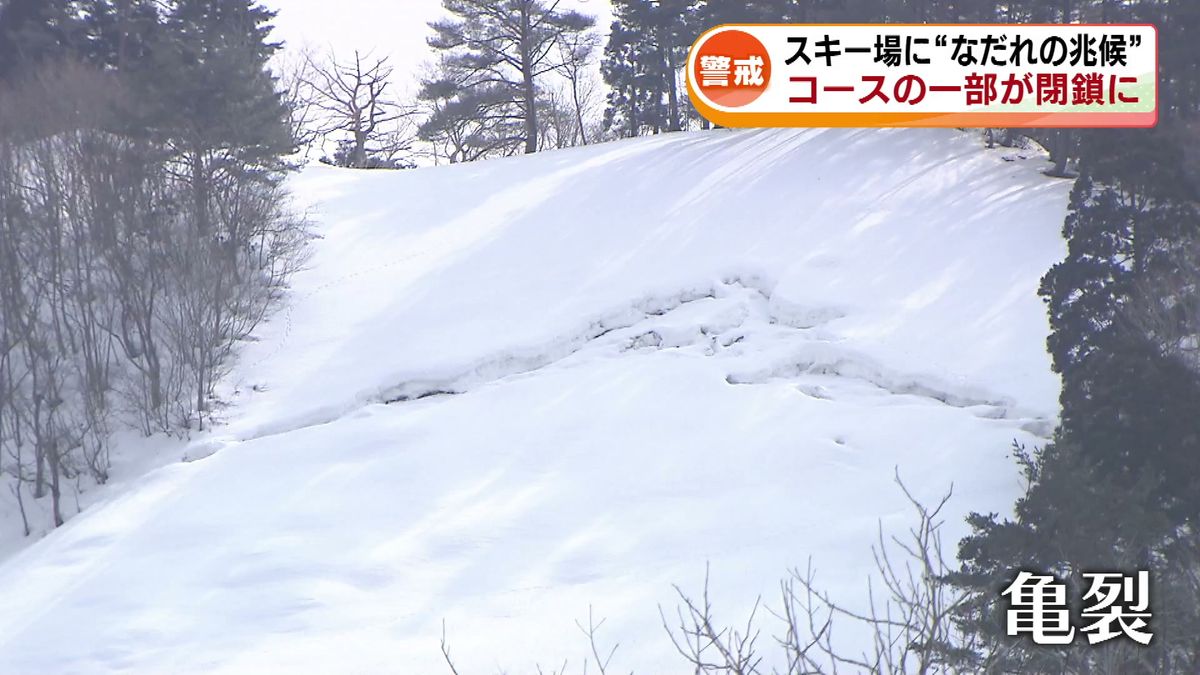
143 228
1118 488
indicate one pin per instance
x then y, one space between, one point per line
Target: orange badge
732 68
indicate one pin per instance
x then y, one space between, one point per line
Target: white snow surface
505 392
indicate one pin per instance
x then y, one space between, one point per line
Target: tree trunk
39 476
672 90
200 192
16 490
578 108
633 113
528 88
55 489
1061 152
360 149
39 449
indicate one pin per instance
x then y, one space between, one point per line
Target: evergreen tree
495 53
111 33
470 119
119 32
34 31
643 61
210 94
1119 487
649 41
210 102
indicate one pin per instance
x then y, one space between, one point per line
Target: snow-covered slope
508 391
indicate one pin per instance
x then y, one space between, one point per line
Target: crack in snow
766 340
760 339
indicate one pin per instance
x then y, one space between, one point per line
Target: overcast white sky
396 28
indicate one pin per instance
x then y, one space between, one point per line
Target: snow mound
507 391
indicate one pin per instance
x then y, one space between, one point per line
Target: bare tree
352 97
602 659
557 126
295 70
710 648
576 54
114 308
912 627
597 656
446 651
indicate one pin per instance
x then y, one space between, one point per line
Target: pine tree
497 51
34 31
210 94
105 33
119 32
1120 484
643 60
